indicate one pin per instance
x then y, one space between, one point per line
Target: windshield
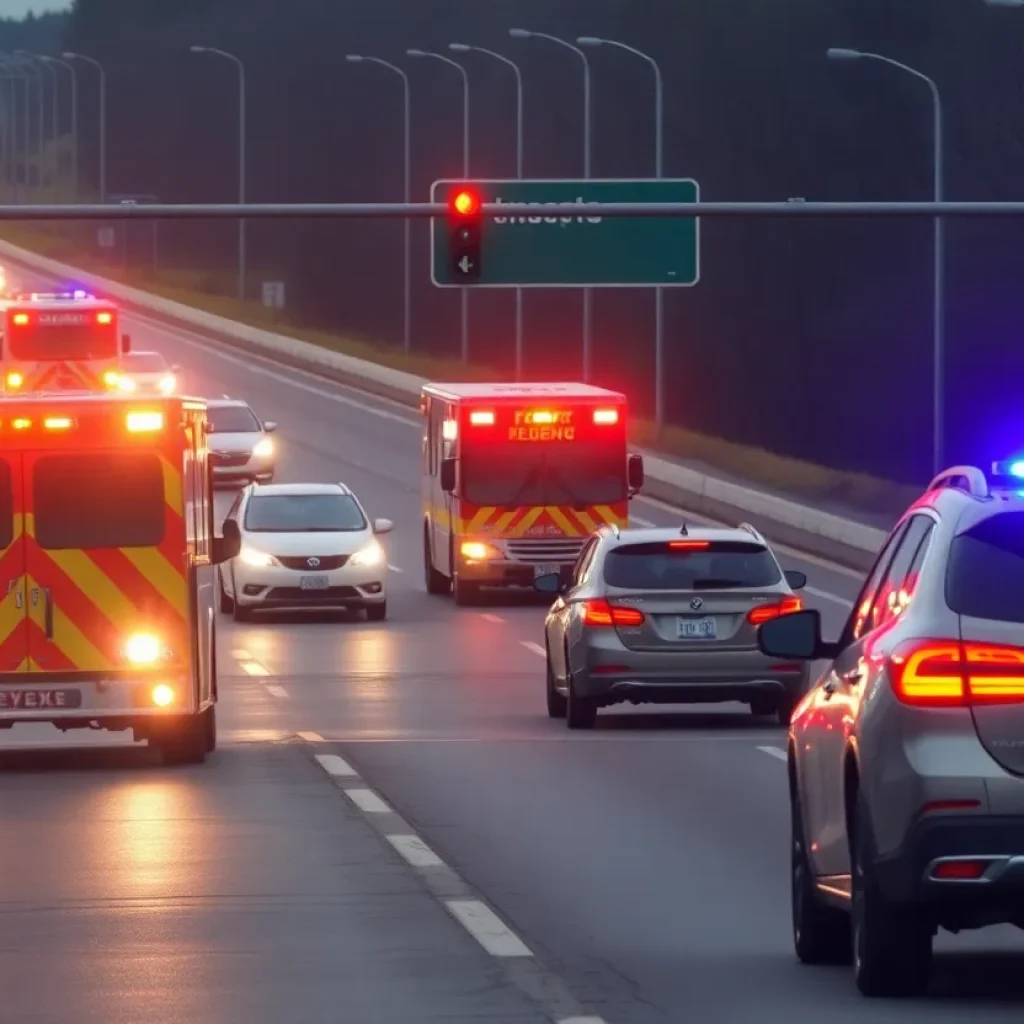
721 566
232 419
562 474
144 362
304 513
985 576
71 341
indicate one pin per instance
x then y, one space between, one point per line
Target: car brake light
960 870
689 545
767 612
601 613
482 418
951 673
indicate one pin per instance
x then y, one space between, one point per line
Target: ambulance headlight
264 448
143 649
257 559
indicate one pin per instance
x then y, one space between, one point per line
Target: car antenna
683 530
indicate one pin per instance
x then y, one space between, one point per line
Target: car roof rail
752 530
968 479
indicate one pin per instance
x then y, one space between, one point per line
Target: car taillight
766 612
601 613
951 673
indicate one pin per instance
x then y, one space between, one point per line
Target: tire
210 730
186 740
377 612
241 613
580 712
557 704
821 934
762 706
465 594
225 602
892 946
436 582
784 709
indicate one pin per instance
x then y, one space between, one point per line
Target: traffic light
464 230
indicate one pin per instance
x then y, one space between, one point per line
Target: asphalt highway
635 875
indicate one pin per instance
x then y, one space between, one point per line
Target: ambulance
516 477
66 341
107 549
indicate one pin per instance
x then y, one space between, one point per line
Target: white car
303 546
241 448
148 373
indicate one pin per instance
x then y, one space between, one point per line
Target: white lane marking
241 655
277 691
815 592
367 801
640 522
491 617
487 928
582 1020
335 766
254 668
310 737
536 648
415 851
225 396
394 568
774 752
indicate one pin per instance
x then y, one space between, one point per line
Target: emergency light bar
1014 468
602 417
23 319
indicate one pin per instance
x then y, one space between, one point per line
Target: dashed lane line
535 647
310 737
775 752
277 691
394 568
491 617
254 668
465 906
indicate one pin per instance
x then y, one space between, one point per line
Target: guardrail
785 521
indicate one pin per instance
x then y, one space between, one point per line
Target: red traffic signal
465 227
465 203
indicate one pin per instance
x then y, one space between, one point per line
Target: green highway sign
576 252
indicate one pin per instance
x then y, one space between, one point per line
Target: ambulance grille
557 549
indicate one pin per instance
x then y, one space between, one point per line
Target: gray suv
669 616
906 759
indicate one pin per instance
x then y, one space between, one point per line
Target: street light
356 58
938 272
56 62
522 33
464 48
659 172
241 154
103 117
465 167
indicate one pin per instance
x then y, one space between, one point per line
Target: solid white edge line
277 691
310 737
774 752
641 522
487 928
367 801
581 1020
335 766
491 617
415 852
815 592
535 648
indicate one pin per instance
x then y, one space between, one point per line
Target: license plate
697 629
39 700
546 570
313 582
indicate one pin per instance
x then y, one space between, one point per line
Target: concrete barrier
830 536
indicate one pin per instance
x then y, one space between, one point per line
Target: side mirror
549 583
796 636
383 526
448 476
270 426
227 547
635 472
797 580
126 343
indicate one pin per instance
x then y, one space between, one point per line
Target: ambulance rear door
14 643
105 561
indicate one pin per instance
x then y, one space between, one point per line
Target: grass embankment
804 481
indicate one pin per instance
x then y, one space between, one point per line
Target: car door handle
48 613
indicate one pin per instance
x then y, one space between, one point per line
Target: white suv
303 546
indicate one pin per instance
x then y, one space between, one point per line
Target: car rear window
985 575
671 566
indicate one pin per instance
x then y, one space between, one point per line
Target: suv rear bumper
906 876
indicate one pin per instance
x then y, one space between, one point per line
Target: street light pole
34 74
659 172
11 144
103 117
74 121
464 48
465 168
522 33
54 120
356 58
241 155
938 263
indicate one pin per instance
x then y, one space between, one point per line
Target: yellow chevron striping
609 515
584 517
11 616
480 518
98 588
529 518
562 521
73 643
503 522
161 574
172 485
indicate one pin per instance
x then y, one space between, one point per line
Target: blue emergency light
1013 468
